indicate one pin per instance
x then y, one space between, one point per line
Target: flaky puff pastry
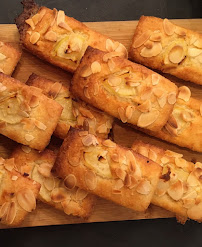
179 189
59 39
123 89
27 116
184 126
162 45
76 113
17 194
9 58
58 193
108 170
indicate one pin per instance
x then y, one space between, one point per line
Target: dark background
159 232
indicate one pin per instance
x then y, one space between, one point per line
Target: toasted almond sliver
89 140
172 131
155 37
168 27
148 44
180 31
4 209
111 64
172 121
64 25
26 199
109 45
26 149
145 106
148 118
51 36
187 116
118 184
9 164
155 79
34 37
49 183
70 182
60 16
85 71
60 194
2 57
192 180
141 39
108 143
122 50
11 213
143 151
184 93
175 190
198 43
114 81
45 169
112 54
29 137
86 92
81 194
144 187
195 212
194 52
95 67
122 115
152 155
154 51
172 98
31 23
182 163
161 188
176 54
120 173
129 112
146 94
90 180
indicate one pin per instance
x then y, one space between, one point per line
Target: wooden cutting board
104 210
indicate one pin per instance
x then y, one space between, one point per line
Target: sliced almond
148 44
156 36
45 169
40 125
26 199
120 173
29 137
89 140
11 213
70 182
180 31
172 98
172 121
195 212
81 194
74 160
194 52
51 36
95 67
158 92
85 71
161 188
55 90
4 209
143 151
49 183
198 43
86 92
64 25
2 57
155 79
168 27
187 116
122 50
154 51
30 23
152 155
144 187
147 118
9 164
176 54
145 106
146 93
108 143
110 55
184 93
114 81
86 113
96 88
90 180
141 39
102 129
60 194
176 190
129 112
172 131
14 178
34 38
111 65
182 163
122 115
118 185
26 149
115 157
109 45
60 17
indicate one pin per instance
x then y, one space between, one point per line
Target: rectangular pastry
9 57
179 189
75 113
123 89
59 39
58 193
17 194
108 170
27 116
184 126
162 45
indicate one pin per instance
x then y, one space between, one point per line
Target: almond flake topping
81 194
169 28
141 39
161 188
180 31
70 182
194 52
26 199
155 37
176 190
29 137
2 56
121 112
145 106
8 212
118 184
144 187
172 121
120 173
95 67
40 125
152 155
155 79
129 112
90 180
49 183
148 118
45 169
184 93
198 43
110 55
86 92
109 45
162 100
89 140
51 36
60 194
172 98
176 54
14 178
9 164
30 23
187 116
114 81
154 51
111 64
85 71
108 143
34 38
195 212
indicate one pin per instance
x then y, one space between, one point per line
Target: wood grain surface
104 211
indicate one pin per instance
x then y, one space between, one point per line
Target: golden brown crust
188 133
129 91
57 33
12 185
179 53
128 181
75 113
38 166
179 189
9 57
25 113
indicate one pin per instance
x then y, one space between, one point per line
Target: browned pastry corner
162 45
58 193
75 113
108 170
17 194
27 116
123 89
179 189
9 57
59 39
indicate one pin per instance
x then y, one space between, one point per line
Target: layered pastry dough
59 39
124 89
9 57
27 116
179 189
58 193
162 45
108 170
17 194
75 113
